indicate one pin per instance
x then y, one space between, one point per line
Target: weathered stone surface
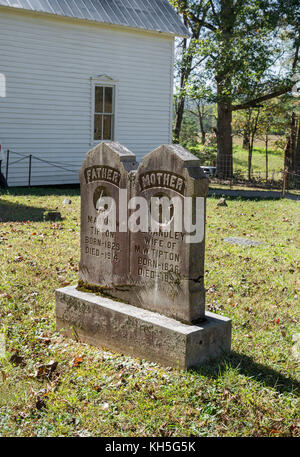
158 273
103 322
104 256
222 202
167 271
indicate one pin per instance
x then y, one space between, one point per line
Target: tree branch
204 24
214 12
253 103
296 54
192 112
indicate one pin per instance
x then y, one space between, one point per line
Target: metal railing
30 158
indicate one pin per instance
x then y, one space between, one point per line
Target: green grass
254 391
240 158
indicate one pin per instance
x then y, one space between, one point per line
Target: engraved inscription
102 173
158 256
99 244
104 248
165 179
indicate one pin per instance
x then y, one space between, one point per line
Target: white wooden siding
48 63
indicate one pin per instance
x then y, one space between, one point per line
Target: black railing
30 158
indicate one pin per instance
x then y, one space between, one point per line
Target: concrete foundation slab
136 332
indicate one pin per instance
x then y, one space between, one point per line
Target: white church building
74 73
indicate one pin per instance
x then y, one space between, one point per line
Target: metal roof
156 15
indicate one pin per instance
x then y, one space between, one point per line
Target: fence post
284 183
7 164
29 171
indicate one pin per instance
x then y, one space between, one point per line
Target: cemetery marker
141 289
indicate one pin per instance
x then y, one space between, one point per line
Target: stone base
103 322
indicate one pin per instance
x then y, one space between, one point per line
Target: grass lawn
240 158
50 386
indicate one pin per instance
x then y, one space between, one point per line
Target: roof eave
93 21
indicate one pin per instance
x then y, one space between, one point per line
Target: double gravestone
141 275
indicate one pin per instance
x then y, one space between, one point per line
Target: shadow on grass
14 212
40 191
246 366
256 195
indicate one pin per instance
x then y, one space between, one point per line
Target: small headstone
168 270
242 241
222 202
67 201
104 254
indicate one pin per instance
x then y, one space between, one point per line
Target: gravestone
167 269
242 241
142 292
104 254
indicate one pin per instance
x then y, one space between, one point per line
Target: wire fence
272 177
284 180
28 159
290 182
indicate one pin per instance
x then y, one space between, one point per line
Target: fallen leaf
46 371
5 296
78 361
19 259
44 340
4 377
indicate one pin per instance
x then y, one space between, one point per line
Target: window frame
103 81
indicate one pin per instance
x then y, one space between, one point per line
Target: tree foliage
237 56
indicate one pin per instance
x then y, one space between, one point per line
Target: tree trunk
297 162
224 137
224 87
250 160
203 133
246 140
181 100
251 144
178 119
293 141
287 154
185 71
267 156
